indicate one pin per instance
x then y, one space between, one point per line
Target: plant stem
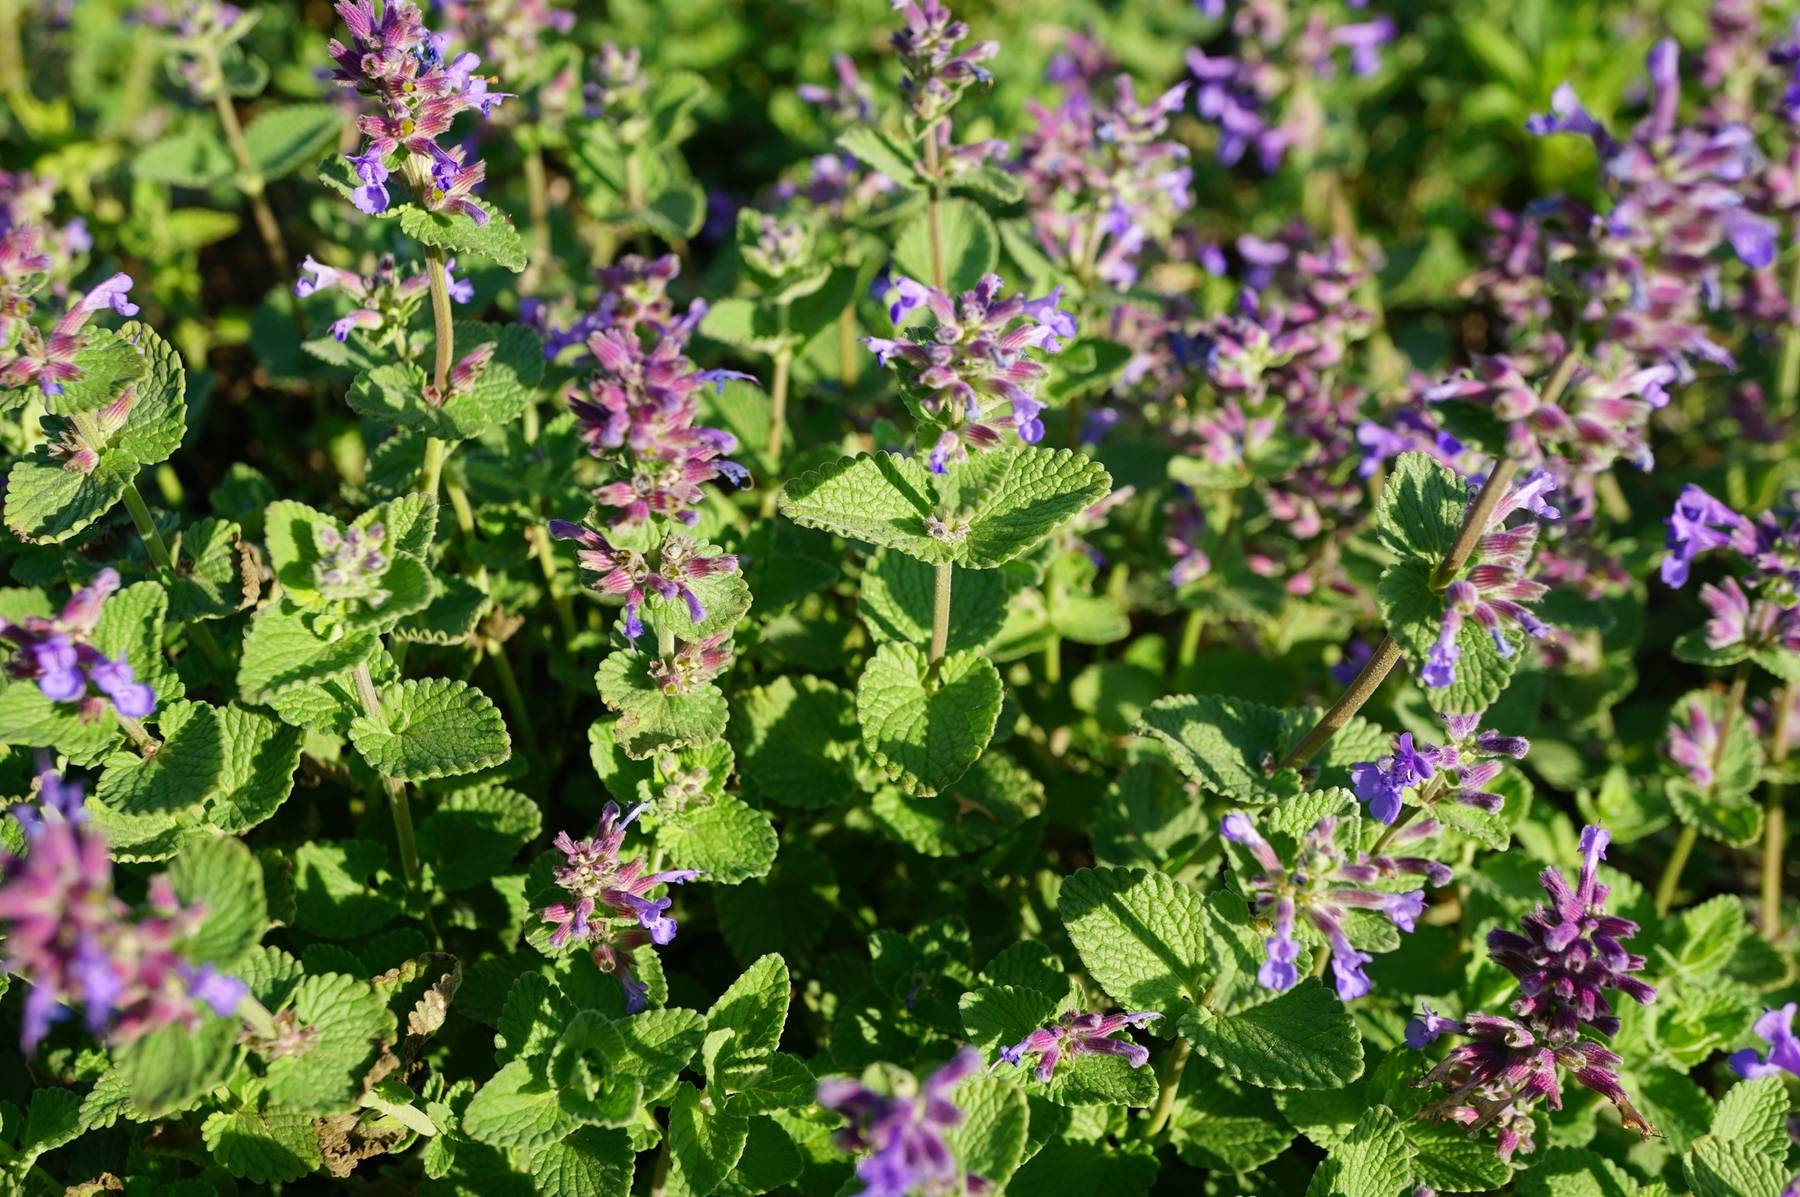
1475 523
565 611
444 328
250 180
1364 685
1775 819
396 790
515 698
12 54
1684 845
934 202
1787 384
1192 628
163 560
940 616
847 348
134 728
1053 659
1393 829
1168 1083
538 192
778 398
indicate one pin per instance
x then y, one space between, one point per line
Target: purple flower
49 362
977 365
1698 524
1382 784
904 1134
1075 1035
1493 590
56 655
1776 1028
1356 655
76 943
668 571
1324 886
1692 741
608 909
937 70
1427 1027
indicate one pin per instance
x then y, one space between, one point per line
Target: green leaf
1014 499
1234 953
177 776
172 1067
222 878
284 139
110 364
1140 934
592 1162
1000 1016
345 1022
1304 1038
334 888
54 1119
1420 509
191 157
770 1162
876 150
705 1140
261 756
970 246
1223 1125
882 499
1376 1160
725 838
991 800
1571 1172
1414 612
650 719
272 1146
213 574
898 592
1720 1167
755 1006
283 651
497 240
432 727
796 740
925 730
990 1140
1085 1170
1754 1114
474 835
395 394
764 1081
518 1107
1224 744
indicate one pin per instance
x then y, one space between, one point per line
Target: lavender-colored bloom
1382 784
668 571
851 102
1692 741
49 362
904 1134
1427 1027
1698 524
385 301
77 943
1325 885
1075 1035
1568 953
976 366
56 655
1493 590
937 70
1776 1028
608 909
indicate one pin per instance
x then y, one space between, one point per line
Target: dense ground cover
834 598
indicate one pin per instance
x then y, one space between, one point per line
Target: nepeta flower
1076 1035
49 361
630 573
418 93
618 92
609 909
1324 885
55 655
1739 619
1494 590
1776 1028
385 302
1381 784
977 361
1692 741
76 942
1697 524
351 564
937 71
851 102
692 664
904 1134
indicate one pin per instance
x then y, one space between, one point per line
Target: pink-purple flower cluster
632 574
608 909
1323 885
904 1134
937 69
76 943
385 302
1079 1035
976 367
49 362
1458 769
1567 956
419 91
56 656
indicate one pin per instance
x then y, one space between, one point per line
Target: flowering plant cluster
915 600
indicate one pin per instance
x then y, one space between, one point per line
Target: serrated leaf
1420 509
348 1021
1140 935
1719 1167
592 1162
497 240
1085 1170
1376 1160
432 727
334 888
705 1140
283 651
284 139
518 1107
876 150
1572 1172
897 594
991 800
475 834
882 499
170 1068
970 246
770 1161
1000 1016
1414 612
926 730
1303 1038
53 1120
1754 1114
222 879
273 1146
212 576
1014 499
1224 744
1223 1125
755 1006
261 756
650 719
394 394
725 838
796 741
190 157
178 775
990 1140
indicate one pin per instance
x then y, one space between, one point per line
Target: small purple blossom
1776 1028
55 655
1493 589
1697 524
49 362
668 571
904 1134
1381 784
1076 1035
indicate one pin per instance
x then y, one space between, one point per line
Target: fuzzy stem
1168 1084
778 399
250 180
934 202
147 743
940 616
1475 523
1361 688
444 328
163 560
538 192
1192 628
1684 845
396 790
1775 819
